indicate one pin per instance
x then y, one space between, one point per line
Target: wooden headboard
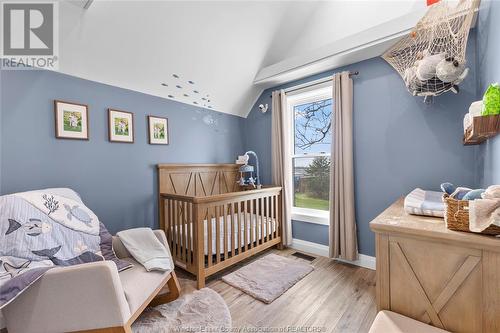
198 179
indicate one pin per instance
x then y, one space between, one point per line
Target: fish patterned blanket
43 229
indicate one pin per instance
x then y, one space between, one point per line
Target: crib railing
207 234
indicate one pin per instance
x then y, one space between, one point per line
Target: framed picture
72 120
121 126
158 130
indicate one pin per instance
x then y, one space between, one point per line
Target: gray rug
203 310
268 277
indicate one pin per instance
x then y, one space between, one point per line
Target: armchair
91 297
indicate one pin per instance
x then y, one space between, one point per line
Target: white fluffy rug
200 311
268 277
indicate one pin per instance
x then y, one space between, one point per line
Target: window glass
311 159
311 182
313 127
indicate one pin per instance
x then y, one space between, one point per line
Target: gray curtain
343 240
281 158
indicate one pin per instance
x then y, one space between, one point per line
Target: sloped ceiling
204 53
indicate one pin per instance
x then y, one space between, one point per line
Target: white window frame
303 96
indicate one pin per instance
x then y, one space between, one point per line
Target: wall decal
71 120
121 126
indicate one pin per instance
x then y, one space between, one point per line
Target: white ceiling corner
221 46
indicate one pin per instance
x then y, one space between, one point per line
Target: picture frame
158 130
120 126
71 120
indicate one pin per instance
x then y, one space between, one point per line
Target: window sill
311 216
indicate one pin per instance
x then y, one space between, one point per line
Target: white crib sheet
252 227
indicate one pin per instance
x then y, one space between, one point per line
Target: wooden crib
210 222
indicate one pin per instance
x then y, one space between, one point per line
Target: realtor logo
29 35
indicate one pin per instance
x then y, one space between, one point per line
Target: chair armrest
65 299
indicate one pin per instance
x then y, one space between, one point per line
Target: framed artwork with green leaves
121 126
71 120
158 130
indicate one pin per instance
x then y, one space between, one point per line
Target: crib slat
275 215
264 218
245 224
189 233
253 225
167 222
209 238
184 230
258 208
217 234
226 229
176 228
181 229
269 216
234 229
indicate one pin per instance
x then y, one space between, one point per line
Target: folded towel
485 212
147 249
420 202
475 109
492 192
467 121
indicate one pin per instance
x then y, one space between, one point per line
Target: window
311 133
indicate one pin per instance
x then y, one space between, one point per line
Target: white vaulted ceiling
220 46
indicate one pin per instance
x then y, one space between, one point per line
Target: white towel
475 109
485 212
420 202
147 249
467 121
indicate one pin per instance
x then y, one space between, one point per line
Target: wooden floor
335 297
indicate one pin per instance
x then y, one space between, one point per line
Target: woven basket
456 216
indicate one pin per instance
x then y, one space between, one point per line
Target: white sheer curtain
281 161
343 239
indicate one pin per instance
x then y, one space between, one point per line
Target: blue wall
117 180
400 143
310 232
488 69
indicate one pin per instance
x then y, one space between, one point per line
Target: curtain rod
316 82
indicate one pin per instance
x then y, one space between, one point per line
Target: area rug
203 310
268 277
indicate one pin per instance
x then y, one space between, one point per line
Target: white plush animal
426 68
449 69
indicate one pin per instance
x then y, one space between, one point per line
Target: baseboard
323 250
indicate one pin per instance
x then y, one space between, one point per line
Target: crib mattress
254 232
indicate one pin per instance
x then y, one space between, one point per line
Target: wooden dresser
445 278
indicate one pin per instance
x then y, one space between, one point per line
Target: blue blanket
43 229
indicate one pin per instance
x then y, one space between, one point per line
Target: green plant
318 177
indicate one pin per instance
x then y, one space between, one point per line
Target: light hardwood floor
335 297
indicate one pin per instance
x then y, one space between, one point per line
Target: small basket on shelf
456 216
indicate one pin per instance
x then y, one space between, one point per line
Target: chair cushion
387 321
138 284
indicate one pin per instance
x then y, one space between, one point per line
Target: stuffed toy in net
431 59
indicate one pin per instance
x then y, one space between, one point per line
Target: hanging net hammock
431 59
